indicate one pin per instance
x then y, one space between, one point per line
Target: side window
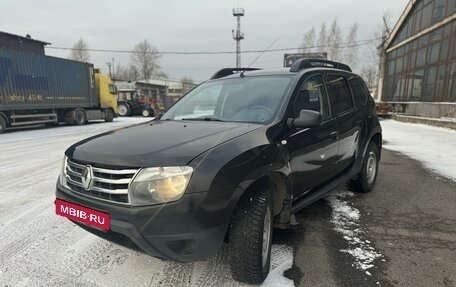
341 95
312 96
360 91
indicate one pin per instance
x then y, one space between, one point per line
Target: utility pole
109 65
238 35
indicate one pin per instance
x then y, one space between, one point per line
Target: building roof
26 38
399 23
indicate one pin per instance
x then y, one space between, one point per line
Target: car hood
157 143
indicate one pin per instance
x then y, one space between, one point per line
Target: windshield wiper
208 119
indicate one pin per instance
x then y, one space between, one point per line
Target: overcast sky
179 25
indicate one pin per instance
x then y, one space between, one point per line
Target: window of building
416 27
340 92
417 86
444 49
436 34
399 63
427 17
452 84
433 53
450 8
391 65
440 84
447 29
429 80
439 10
421 57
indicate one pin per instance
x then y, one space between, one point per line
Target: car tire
366 178
123 110
80 117
109 116
145 113
2 125
250 237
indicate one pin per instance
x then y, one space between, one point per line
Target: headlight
62 177
159 185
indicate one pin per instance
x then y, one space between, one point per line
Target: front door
312 152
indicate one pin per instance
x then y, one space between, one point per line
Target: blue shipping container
29 81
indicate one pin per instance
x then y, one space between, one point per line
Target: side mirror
306 119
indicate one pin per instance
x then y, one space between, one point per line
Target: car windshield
243 99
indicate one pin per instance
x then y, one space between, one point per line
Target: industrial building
24 44
418 74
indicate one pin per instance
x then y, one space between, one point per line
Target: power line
344 45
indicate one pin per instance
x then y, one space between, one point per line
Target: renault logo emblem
87 178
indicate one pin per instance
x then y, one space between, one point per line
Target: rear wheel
109 116
80 117
2 125
123 110
250 237
365 180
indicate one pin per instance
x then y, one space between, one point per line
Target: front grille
106 184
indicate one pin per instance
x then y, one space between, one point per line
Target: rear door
312 152
349 119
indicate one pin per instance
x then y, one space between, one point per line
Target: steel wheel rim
122 110
371 167
266 235
145 113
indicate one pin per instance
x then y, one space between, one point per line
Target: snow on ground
39 248
345 219
434 147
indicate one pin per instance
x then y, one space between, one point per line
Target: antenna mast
238 35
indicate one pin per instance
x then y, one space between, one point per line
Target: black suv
234 158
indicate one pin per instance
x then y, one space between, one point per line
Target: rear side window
341 95
360 91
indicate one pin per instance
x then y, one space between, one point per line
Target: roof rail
312 63
230 71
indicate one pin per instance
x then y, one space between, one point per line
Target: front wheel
250 237
145 113
366 178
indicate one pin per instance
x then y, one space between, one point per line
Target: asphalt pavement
410 218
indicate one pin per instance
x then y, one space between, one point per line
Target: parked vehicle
37 89
231 160
131 103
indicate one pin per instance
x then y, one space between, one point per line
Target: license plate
82 214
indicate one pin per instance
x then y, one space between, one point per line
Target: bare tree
308 43
351 47
369 74
323 38
146 60
187 84
80 51
334 41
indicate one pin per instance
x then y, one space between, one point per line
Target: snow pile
345 219
434 147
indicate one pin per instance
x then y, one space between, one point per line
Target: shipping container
43 89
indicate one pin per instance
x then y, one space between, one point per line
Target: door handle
334 134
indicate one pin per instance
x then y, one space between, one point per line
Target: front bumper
191 229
